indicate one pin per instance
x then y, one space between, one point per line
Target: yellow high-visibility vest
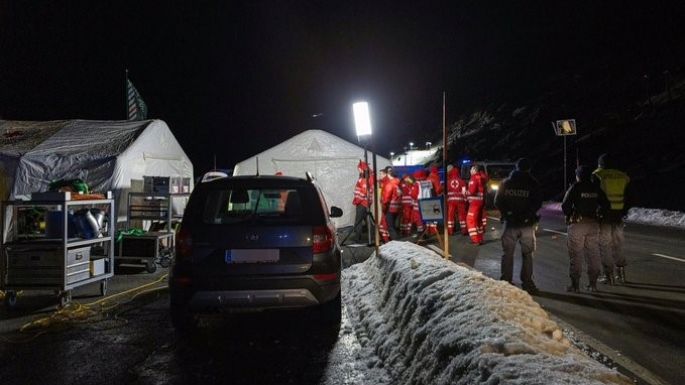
613 183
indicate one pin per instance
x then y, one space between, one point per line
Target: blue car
255 243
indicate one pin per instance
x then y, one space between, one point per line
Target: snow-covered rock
431 321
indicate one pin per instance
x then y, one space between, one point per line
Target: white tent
333 162
104 154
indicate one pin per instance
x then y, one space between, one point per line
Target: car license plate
252 255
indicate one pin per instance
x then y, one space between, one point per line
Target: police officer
518 200
614 184
583 205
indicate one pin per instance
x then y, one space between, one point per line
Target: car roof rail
310 177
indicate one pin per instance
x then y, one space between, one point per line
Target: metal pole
444 170
376 206
368 186
565 179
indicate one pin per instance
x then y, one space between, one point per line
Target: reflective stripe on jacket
476 190
361 193
455 187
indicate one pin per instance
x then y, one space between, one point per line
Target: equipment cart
153 247
44 249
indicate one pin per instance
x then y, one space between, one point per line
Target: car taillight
184 244
322 239
326 277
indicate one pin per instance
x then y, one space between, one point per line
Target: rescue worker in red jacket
484 218
390 202
456 201
407 204
416 194
434 177
363 196
476 198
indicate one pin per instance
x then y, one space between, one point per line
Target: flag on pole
137 109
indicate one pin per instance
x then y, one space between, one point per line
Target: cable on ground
76 312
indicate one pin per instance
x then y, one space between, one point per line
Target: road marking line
632 366
668 257
555 232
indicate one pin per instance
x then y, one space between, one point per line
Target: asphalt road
643 320
136 345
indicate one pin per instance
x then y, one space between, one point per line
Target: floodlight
392 154
362 120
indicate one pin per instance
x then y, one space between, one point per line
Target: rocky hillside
639 120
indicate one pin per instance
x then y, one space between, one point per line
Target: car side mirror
336 212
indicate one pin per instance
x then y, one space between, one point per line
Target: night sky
235 78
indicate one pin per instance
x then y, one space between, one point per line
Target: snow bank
434 322
656 217
643 216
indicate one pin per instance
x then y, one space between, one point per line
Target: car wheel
331 311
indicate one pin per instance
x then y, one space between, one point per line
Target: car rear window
263 205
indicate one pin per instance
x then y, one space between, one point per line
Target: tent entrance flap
336 177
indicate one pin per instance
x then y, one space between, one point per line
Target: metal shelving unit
155 247
39 260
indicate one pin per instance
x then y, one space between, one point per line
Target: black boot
530 288
607 278
621 275
574 287
592 285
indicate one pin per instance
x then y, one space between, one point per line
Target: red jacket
415 189
434 177
455 186
407 188
391 195
476 190
363 195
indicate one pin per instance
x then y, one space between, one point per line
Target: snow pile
433 322
643 216
656 217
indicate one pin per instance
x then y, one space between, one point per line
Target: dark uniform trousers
583 243
510 236
611 245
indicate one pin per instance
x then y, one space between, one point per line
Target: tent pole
368 210
376 205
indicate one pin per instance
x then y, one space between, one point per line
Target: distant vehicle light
494 187
465 161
